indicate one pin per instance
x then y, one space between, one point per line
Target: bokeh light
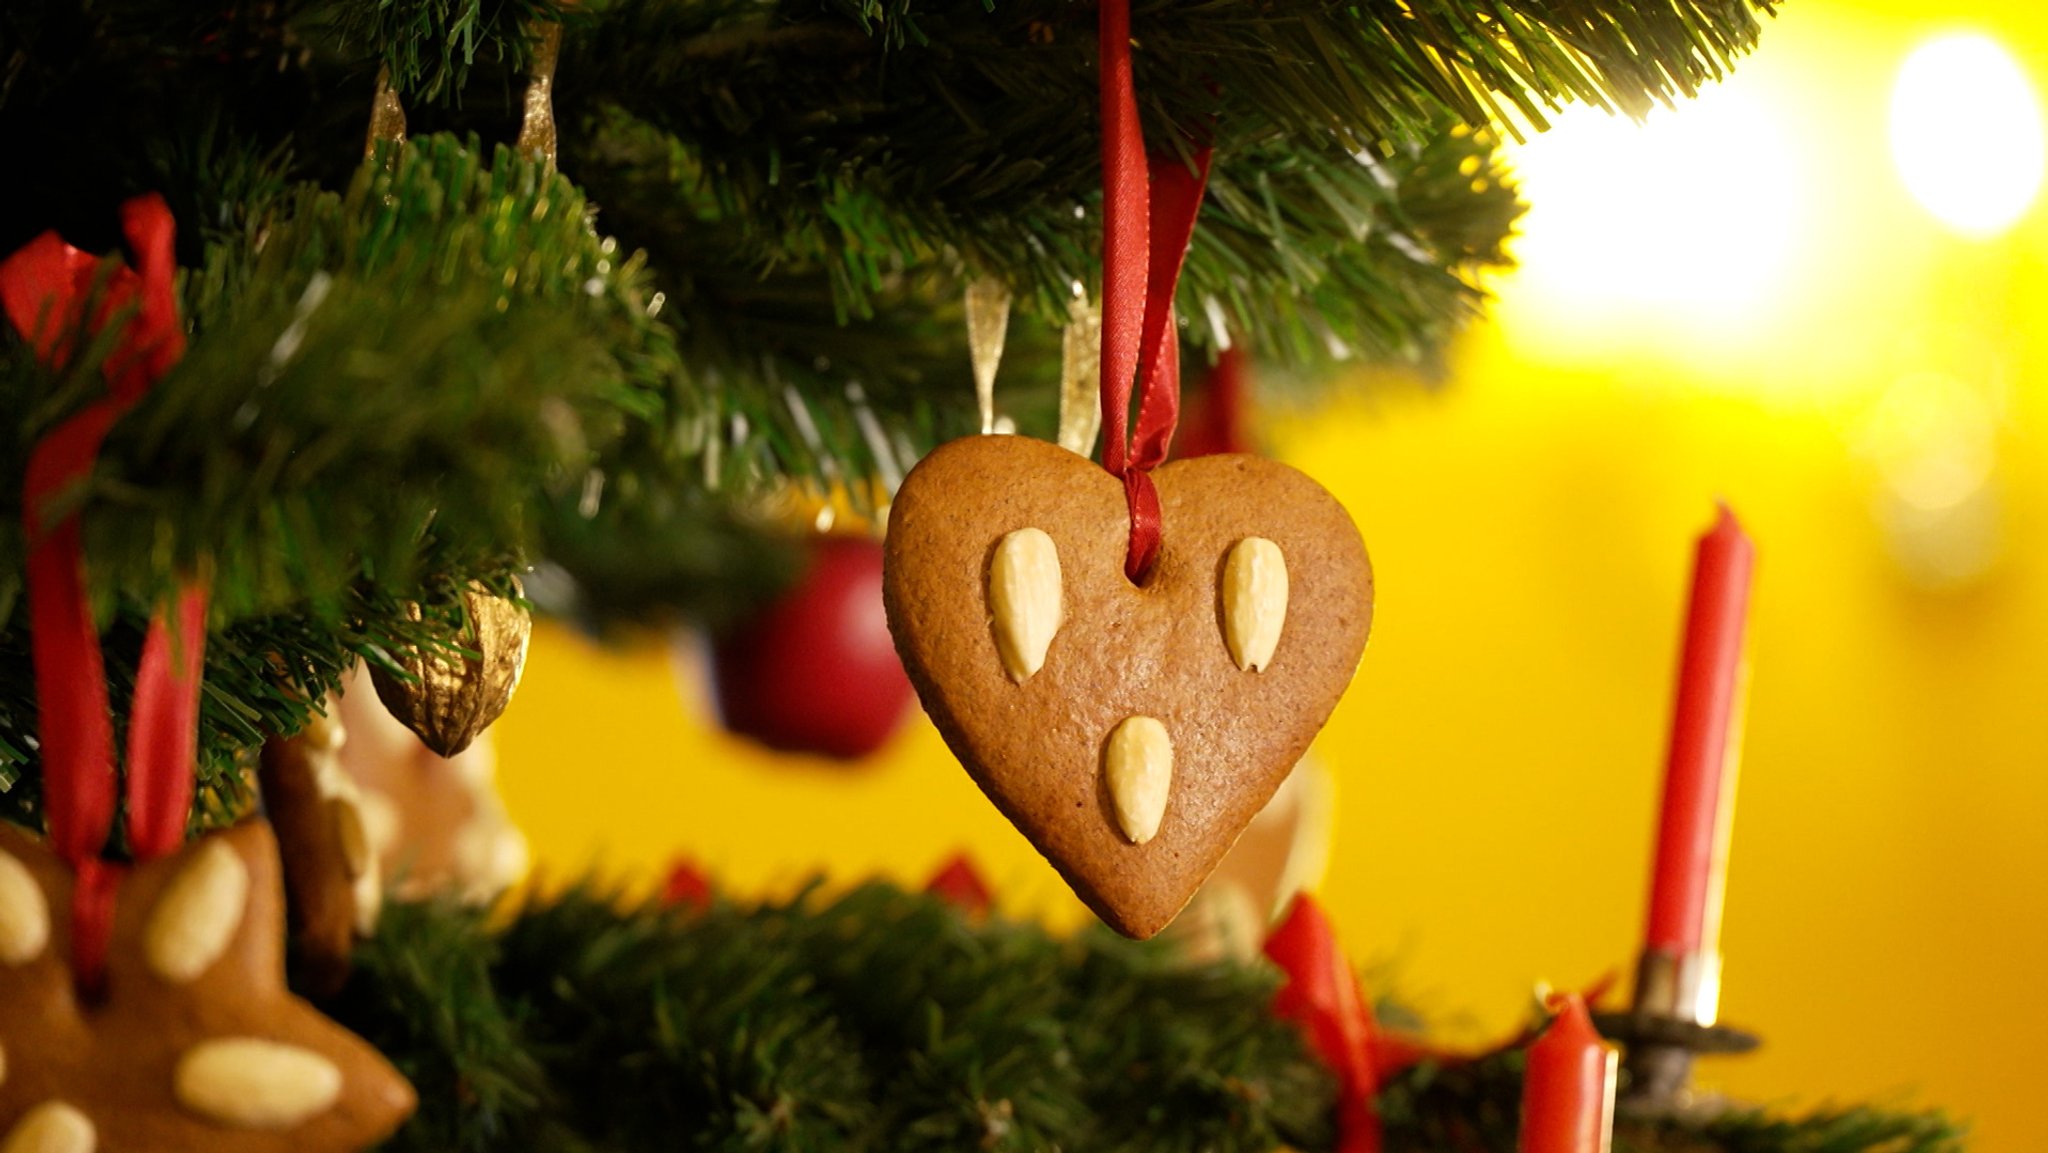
1678 229
1966 133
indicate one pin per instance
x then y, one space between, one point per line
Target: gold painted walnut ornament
447 699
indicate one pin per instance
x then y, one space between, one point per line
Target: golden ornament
387 115
447 699
988 326
537 130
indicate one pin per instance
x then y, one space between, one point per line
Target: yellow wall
1500 752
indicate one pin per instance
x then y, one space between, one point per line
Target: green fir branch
1474 1107
878 1020
423 992
430 47
980 156
332 451
331 428
885 1020
433 368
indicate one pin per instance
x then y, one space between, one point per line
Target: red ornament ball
816 672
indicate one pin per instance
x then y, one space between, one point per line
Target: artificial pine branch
886 1020
423 993
333 451
970 147
691 556
878 1020
430 46
1306 254
1474 1107
430 369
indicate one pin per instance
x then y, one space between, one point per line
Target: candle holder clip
1672 1022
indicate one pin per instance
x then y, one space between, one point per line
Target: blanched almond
52 1127
196 917
1139 765
1254 601
250 1083
24 915
1025 599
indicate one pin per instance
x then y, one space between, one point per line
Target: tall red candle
1699 779
1568 1091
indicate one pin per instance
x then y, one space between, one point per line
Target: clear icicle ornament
1081 375
988 325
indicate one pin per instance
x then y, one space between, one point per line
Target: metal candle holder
1673 1020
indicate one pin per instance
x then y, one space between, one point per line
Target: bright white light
1679 228
1966 133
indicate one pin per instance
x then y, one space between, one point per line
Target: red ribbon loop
44 289
1143 498
1148 218
163 724
92 918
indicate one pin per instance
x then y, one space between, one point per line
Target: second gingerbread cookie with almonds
1130 731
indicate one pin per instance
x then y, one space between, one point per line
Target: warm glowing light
1934 441
1966 133
1678 229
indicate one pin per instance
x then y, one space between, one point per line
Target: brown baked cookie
436 824
333 886
1283 852
197 1047
1130 732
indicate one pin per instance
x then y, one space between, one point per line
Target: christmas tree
579 295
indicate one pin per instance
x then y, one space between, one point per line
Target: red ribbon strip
959 883
1148 217
44 288
687 887
1215 421
1322 995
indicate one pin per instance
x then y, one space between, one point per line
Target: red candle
1699 780
1568 1091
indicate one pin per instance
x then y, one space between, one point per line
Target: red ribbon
1215 421
687 887
44 289
1322 995
1148 217
959 884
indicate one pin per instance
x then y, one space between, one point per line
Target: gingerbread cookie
334 887
1131 732
436 823
197 1046
1284 851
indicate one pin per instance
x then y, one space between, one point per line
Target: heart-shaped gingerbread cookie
1131 732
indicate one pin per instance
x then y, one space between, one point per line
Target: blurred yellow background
1742 300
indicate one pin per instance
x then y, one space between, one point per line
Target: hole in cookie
1144 579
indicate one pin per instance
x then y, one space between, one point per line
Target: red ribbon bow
44 289
1149 207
